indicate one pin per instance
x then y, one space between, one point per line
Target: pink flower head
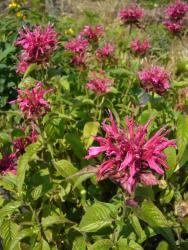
99 84
155 79
8 164
131 14
79 60
140 47
177 10
32 102
131 157
21 143
105 52
37 45
173 26
92 34
77 45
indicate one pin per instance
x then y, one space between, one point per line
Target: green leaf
9 233
149 213
9 208
79 243
23 164
65 168
97 216
82 178
54 219
28 232
30 69
171 160
182 134
76 145
8 182
122 244
103 244
163 245
55 128
90 130
37 192
135 245
137 227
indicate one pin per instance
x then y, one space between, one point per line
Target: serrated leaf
182 134
54 219
9 231
122 244
28 232
65 168
137 227
89 131
79 244
103 244
23 163
37 192
97 216
171 160
9 208
149 213
55 128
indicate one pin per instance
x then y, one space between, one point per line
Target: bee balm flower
130 156
177 10
32 102
8 164
99 84
92 34
140 47
37 46
155 79
105 52
131 14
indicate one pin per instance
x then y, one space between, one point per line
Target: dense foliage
94 128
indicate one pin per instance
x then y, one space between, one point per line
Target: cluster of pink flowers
92 34
80 45
8 163
175 14
155 79
107 51
131 158
140 47
37 45
32 102
99 84
131 15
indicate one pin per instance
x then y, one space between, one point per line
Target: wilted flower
99 84
173 26
22 142
131 157
131 14
105 52
37 45
155 79
177 10
8 163
79 60
140 47
32 102
92 34
77 45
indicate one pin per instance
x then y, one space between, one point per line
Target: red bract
37 45
99 84
177 10
92 34
131 14
32 102
77 45
173 26
155 79
8 164
131 157
140 47
105 52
